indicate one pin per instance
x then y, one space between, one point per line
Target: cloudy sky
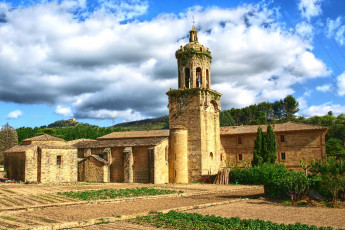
108 61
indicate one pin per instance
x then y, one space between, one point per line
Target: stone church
195 145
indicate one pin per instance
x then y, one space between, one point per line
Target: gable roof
19 148
23 148
150 141
284 127
136 134
44 137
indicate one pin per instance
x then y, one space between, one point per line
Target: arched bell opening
187 78
198 77
207 80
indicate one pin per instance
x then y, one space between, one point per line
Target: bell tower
193 116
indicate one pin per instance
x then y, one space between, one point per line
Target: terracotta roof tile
136 134
150 141
284 127
44 137
23 148
19 148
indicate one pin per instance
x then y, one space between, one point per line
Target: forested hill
146 124
263 113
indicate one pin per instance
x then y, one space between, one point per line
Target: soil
27 206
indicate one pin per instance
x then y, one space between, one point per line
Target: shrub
296 184
277 180
331 171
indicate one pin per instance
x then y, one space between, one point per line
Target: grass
179 220
8 218
117 193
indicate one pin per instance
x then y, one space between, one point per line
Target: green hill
146 124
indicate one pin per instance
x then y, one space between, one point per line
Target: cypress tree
257 155
270 146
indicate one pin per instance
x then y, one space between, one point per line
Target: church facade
195 145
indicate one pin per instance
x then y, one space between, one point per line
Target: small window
282 156
211 155
221 157
240 157
239 140
282 138
58 160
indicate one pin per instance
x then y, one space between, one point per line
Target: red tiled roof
136 134
284 127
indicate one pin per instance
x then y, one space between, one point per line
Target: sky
106 61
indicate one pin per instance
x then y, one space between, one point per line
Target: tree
335 147
290 106
226 119
257 155
265 148
270 146
8 139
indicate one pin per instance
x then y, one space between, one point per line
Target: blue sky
104 62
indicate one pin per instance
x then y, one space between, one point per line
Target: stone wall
161 166
15 165
297 145
117 164
51 171
140 165
198 111
91 170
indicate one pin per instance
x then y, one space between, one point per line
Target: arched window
207 79
211 155
198 77
187 78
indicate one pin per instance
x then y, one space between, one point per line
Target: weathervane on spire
193 20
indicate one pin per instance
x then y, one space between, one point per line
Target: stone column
128 165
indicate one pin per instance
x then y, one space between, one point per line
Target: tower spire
193 34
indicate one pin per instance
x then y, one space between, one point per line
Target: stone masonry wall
192 109
140 165
161 167
299 145
65 172
15 166
117 165
90 170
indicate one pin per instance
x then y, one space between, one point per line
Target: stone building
42 159
295 142
194 146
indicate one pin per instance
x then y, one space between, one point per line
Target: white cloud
341 84
305 30
111 65
324 88
14 114
310 8
321 110
336 30
64 111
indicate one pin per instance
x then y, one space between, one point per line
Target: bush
330 173
277 180
296 184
